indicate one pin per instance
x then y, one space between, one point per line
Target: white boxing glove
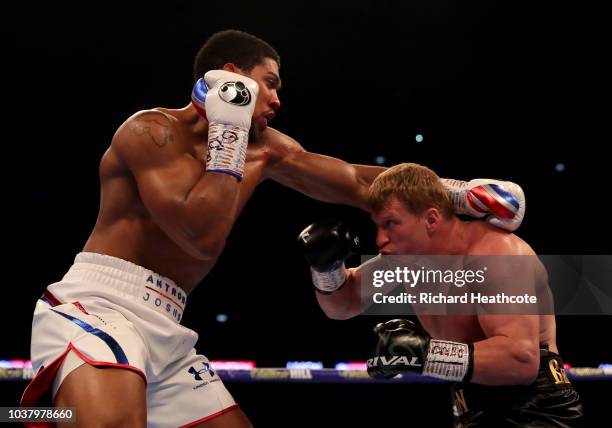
227 100
503 202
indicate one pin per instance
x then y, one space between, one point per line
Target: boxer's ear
230 66
433 218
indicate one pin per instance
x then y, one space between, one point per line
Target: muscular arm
333 180
346 302
194 208
510 355
353 299
321 177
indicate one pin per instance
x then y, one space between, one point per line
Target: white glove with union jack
502 202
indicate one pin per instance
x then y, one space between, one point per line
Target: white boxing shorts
108 312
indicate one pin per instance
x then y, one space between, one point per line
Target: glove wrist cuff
227 147
329 281
449 360
457 191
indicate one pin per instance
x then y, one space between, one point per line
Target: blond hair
416 186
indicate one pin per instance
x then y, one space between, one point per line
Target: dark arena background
471 89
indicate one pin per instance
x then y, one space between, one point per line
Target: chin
261 124
256 132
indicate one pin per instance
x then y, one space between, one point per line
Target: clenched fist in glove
325 246
502 202
404 346
227 100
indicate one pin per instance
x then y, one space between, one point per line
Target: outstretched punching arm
333 180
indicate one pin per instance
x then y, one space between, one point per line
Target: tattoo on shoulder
155 128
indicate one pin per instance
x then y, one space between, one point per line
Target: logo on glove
235 93
394 361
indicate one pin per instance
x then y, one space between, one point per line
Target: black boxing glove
325 245
404 346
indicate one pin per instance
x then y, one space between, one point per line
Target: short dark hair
232 46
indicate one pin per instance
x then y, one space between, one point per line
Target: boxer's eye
390 223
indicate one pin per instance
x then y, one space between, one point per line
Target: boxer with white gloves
173 181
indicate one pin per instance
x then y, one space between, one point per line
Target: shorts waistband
143 284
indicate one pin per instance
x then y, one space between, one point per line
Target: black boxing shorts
550 401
